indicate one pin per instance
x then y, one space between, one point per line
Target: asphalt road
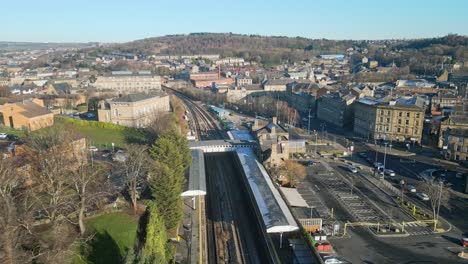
364 247
457 211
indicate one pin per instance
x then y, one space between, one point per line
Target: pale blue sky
118 20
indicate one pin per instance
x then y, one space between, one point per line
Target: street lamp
308 125
385 155
316 143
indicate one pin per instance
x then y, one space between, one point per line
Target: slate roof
31 109
131 98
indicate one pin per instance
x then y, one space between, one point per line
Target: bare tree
15 218
90 186
295 172
134 171
438 196
160 122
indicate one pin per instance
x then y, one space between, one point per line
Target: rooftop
197 175
131 98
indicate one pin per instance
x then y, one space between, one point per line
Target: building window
388 112
399 121
388 120
406 131
417 123
400 114
387 129
407 122
415 131
398 130
381 112
407 114
417 115
457 157
458 148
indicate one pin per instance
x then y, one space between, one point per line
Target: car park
411 188
422 196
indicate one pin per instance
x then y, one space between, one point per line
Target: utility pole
438 202
385 155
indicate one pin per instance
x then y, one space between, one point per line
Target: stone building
454 121
133 110
336 109
125 82
455 144
388 119
243 80
274 142
30 115
276 85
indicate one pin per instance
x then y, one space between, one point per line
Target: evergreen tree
152 247
166 187
172 149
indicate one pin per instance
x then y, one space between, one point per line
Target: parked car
3 135
422 196
352 169
411 188
12 137
389 172
93 149
363 154
378 164
459 175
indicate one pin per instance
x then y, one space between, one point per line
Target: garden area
115 235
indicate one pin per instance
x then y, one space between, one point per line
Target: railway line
224 241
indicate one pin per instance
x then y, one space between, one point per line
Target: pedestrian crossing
417 229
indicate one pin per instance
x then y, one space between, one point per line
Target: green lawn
103 137
115 235
18 132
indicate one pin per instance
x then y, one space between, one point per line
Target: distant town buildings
133 110
126 82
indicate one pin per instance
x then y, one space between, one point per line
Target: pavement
192 247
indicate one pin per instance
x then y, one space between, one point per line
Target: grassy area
115 235
102 135
7 130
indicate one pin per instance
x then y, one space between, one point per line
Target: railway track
224 243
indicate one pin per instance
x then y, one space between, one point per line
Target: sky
121 21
